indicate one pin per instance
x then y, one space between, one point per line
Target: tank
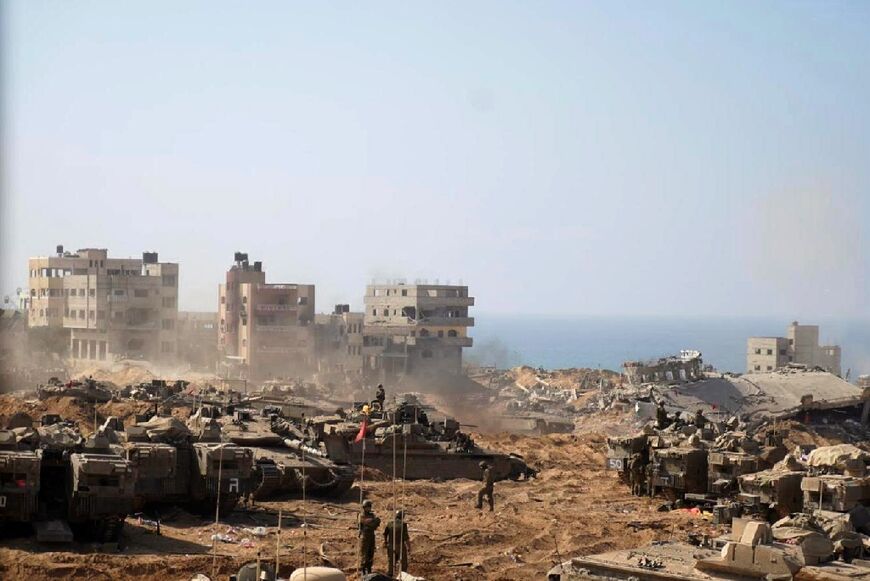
68 481
620 451
724 469
677 471
836 492
286 459
87 389
434 449
19 480
176 465
773 493
100 493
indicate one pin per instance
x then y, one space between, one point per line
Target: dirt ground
574 507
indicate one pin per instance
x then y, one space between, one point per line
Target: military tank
179 465
19 480
64 483
433 449
285 461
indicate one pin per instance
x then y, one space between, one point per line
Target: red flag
362 430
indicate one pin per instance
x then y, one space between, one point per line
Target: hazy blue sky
591 158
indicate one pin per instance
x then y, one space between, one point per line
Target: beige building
339 340
110 308
800 345
265 330
198 339
415 329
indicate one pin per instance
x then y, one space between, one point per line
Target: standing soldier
368 523
396 531
486 489
381 395
635 474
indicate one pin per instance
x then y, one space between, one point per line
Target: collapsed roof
778 394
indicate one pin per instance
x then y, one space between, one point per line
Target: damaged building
106 308
415 328
198 339
265 330
687 366
799 346
339 341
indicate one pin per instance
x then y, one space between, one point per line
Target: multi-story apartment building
266 330
339 339
800 345
111 308
415 329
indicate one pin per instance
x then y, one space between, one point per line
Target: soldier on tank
486 489
700 420
381 395
397 542
368 524
662 420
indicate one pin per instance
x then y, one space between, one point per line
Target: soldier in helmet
486 489
368 523
397 543
381 395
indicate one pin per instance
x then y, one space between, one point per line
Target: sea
555 342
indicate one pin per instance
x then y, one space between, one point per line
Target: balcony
446 321
276 328
275 308
436 302
453 341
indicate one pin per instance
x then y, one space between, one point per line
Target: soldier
396 531
635 474
381 395
368 524
650 487
486 489
700 420
662 420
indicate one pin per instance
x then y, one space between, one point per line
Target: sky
606 158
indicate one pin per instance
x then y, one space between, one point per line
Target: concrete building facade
415 329
339 340
683 368
111 308
198 339
265 330
800 345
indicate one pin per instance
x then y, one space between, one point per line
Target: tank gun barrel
302 447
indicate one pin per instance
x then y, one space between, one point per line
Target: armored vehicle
286 460
724 468
100 493
83 483
178 466
19 480
433 449
620 450
834 492
772 493
87 389
677 471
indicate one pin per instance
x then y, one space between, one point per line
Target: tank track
340 481
270 480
